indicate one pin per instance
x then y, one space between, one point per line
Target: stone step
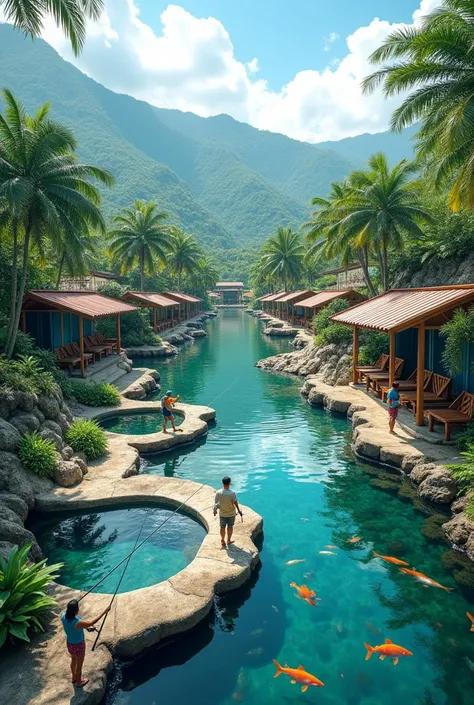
110 374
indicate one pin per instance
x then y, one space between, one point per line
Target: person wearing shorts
227 504
74 626
167 409
393 399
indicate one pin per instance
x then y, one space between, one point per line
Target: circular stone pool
92 543
138 424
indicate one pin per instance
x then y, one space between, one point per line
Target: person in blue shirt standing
74 626
393 399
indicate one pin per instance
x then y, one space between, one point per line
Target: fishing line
225 390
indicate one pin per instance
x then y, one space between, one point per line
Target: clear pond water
137 424
293 464
90 544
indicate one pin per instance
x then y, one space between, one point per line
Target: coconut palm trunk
16 312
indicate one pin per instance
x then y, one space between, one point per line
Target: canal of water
293 465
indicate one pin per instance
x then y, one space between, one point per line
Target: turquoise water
91 544
138 424
293 464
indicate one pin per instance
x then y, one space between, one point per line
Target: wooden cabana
57 318
308 307
164 309
288 302
269 302
189 305
412 319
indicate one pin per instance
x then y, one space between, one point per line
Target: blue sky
287 36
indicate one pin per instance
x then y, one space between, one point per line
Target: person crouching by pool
74 626
393 399
167 408
226 503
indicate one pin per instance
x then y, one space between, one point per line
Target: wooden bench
404 385
461 411
98 350
372 377
380 366
68 359
436 393
101 340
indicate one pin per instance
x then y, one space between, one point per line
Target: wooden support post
154 319
172 316
81 343
23 321
420 376
391 365
118 334
61 327
355 355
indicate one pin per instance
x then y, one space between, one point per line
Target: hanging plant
459 331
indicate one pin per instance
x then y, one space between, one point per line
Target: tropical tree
140 238
282 257
183 255
434 63
71 15
48 193
206 275
77 254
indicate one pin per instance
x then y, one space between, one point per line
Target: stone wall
21 413
439 272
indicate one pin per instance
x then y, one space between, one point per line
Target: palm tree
183 255
77 254
140 238
282 257
434 63
47 192
71 15
206 276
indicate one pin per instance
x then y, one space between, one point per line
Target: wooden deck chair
380 366
98 350
404 385
461 411
102 340
372 377
436 393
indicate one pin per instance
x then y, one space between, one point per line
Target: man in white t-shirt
226 503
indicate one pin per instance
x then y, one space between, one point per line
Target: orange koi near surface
390 559
424 579
472 621
354 539
295 561
298 675
306 594
389 649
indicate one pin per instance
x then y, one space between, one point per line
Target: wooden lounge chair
372 377
101 340
68 360
435 394
380 366
404 385
461 411
98 350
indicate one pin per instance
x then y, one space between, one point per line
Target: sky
289 66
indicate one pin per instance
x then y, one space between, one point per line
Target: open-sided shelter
307 307
269 302
57 318
165 310
189 305
288 302
412 319
230 293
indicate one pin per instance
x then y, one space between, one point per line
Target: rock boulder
67 474
9 436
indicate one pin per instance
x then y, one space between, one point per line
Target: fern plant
459 331
23 600
38 454
86 436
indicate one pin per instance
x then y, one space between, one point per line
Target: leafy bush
38 454
86 436
24 343
459 331
464 439
26 375
463 473
93 394
23 601
327 331
373 345
470 508
135 327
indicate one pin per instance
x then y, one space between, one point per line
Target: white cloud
330 39
191 66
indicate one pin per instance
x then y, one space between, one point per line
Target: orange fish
297 675
424 579
472 621
390 559
354 539
329 546
295 561
305 593
388 649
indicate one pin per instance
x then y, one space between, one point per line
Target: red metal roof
399 309
296 294
324 297
268 297
182 297
275 297
83 303
151 298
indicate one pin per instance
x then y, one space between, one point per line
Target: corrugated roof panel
322 298
152 298
295 294
276 297
182 297
224 284
83 303
399 308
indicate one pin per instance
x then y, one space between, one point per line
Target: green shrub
135 327
465 438
463 473
459 331
92 393
38 454
327 331
373 345
26 375
470 508
86 436
23 601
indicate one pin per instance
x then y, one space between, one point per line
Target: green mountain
229 183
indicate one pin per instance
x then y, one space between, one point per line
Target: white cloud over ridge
191 66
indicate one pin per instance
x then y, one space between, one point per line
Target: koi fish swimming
424 579
389 649
471 618
390 559
354 539
298 675
295 561
306 594
327 553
